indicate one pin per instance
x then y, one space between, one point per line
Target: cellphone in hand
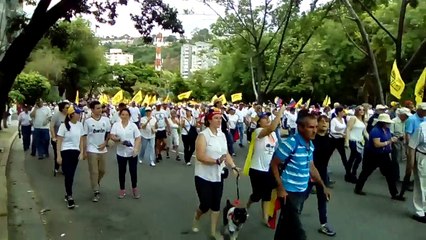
127 143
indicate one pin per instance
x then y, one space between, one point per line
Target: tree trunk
398 44
370 52
253 80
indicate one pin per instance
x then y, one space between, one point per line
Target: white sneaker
152 164
140 161
188 164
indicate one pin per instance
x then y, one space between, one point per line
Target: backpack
282 166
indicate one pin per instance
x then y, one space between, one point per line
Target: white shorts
174 139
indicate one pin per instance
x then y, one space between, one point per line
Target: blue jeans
26 136
321 198
240 128
147 150
42 138
230 142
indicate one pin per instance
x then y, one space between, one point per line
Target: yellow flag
146 100
328 101
117 98
77 98
223 99
213 99
420 86
167 100
138 97
103 99
236 97
307 103
299 103
184 95
324 103
397 85
153 100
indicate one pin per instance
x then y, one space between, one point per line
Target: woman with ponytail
70 149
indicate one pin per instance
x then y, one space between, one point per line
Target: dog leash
238 185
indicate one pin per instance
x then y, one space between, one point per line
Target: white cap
381 107
421 106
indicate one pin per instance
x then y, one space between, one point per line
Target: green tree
44 17
32 86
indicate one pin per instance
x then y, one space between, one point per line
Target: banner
420 86
184 95
117 98
236 97
138 97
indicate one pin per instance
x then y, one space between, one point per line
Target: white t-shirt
147 132
134 114
25 119
95 131
187 125
42 117
291 120
337 128
263 151
215 147
129 133
71 138
241 114
161 117
232 121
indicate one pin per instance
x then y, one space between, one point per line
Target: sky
203 17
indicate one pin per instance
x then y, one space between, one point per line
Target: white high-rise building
117 56
196 57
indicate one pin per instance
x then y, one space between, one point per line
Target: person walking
398 130
296 154
70 147
57 119
128 137
24 127
266 141
189 135
97 129
355 135
212 155
417 148
338 135
377 155
41 116
148 137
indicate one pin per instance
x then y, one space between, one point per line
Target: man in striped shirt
295 155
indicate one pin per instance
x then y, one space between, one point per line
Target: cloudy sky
203 17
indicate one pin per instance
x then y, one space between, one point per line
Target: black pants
321 197
26 136
262 184
188 147
339 144
55 155
355 158
209 194
33 144
249 132
122 168
69 165
289 225
370 163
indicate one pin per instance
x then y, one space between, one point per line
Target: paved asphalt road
168 201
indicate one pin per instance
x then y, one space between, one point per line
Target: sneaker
140 161
188 164
167 155
241 145
136 194
398 198
70 202
327 230
418 218
122 194
55 172
96 196
177 158
359 192
152 164
195 228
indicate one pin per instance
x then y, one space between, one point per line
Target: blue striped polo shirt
295 176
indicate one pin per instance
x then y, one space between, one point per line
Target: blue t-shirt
413 123
384 135
143 112
295 176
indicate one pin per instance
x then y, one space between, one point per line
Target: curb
4 157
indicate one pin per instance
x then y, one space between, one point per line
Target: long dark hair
67 121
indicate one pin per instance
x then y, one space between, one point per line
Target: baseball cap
72 110
148 109
263 114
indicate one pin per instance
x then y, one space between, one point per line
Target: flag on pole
292 103
184 95
420 86
397 85
153 100
213 99
299 103
138 97
236 97
117 98
308 103
167 99
77 98
223 99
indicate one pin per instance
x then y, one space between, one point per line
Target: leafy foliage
31 86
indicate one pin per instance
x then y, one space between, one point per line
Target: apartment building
197 56
117 56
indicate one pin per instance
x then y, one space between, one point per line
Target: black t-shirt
224 125
322 152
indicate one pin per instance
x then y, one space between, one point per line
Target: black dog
233 219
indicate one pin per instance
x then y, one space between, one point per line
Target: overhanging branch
376 20
350 38
417 57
